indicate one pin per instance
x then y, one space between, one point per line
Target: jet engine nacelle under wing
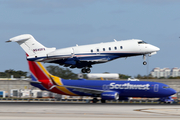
110 95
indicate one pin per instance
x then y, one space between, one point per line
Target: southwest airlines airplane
86 55
106 90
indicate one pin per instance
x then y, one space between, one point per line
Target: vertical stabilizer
47 81
30 45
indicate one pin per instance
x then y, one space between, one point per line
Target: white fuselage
83 56
126 47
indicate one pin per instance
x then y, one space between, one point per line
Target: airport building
21 88
165 72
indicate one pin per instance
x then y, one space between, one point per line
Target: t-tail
31 46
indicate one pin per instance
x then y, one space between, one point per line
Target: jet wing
95 60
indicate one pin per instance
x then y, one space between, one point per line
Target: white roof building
156 72
175 72
165 72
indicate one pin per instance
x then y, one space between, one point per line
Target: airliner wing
84 90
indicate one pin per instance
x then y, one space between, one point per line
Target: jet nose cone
153 48
156 49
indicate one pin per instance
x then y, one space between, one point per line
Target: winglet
115 40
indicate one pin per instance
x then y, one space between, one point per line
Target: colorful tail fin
30 45
45 80
40 75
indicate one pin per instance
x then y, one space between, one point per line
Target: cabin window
91 50
109 48
97 50
115 48
121 47
104 49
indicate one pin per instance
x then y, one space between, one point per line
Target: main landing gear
95 100
86 70
144 57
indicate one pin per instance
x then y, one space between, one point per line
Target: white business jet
84 56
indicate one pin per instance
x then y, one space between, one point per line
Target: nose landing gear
144 57
144 63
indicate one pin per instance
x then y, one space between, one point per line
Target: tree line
66 73
16 74
54 70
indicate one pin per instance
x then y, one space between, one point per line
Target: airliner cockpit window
142 42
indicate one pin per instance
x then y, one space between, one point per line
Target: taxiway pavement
86 111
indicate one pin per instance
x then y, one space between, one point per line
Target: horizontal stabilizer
31 81
20 38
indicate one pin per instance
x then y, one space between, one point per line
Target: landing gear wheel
144 63
103 101
88 70
95 100
83 70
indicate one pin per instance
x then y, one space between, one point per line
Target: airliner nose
172 91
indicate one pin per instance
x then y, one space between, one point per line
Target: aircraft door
156 88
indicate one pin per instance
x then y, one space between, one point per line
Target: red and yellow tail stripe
48 81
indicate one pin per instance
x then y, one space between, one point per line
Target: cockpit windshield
142 42
165 87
